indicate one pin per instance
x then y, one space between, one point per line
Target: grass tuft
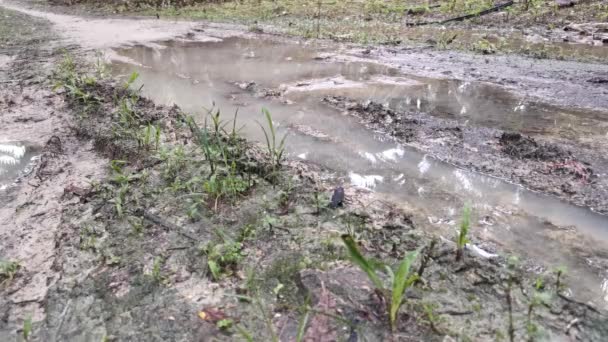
398 282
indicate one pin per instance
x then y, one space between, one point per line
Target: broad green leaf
214 268
134 76
402 281
358 259
302 327
465 224
27 328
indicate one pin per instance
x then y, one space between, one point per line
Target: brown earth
122 251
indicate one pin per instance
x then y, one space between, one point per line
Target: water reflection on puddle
16 159
194 76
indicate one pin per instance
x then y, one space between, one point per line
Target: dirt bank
31 209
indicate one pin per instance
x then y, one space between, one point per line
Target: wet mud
514 218
125 250
560 169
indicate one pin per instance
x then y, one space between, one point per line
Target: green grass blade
268 118
358 259
214 268
273 131
267 139
401 282
244 333
302 326
134 76
236 114
465 224
27 328
281 149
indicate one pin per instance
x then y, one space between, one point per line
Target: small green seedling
149 136
402 281
302 325
432 317
225 324
276 149
27 328
8 269
278 289
559 274
538 299
132 78
320 200
223 258
203 139
156 272
484 47
399 282
462 240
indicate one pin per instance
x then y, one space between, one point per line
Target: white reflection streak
392 154
17 151
466 183
365 181
424 165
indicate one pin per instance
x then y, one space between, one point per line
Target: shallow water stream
226 73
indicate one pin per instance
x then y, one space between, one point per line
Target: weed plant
275 146
397 282
462 239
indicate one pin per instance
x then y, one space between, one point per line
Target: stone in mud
565 3
598 80
337 199
249 86
323 56
519 146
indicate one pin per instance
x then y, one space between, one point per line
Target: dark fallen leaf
212 315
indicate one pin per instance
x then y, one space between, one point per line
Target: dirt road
87 273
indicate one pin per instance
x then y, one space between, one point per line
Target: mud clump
560 162
400 126
519 146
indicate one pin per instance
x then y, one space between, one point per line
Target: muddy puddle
16 160
242 74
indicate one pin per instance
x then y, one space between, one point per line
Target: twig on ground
167 225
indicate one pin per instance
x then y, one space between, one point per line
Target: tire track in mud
31 210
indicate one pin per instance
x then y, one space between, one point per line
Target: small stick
63 314
510 308
168 225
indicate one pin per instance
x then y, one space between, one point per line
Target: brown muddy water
232 73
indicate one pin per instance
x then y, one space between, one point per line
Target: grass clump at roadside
398 282
392 22
8 270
